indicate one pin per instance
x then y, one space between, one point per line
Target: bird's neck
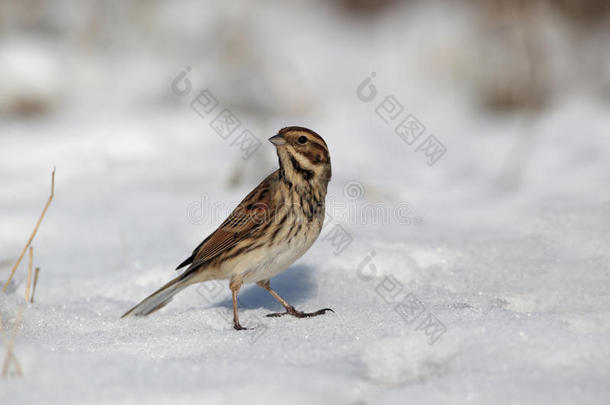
302 179
297 172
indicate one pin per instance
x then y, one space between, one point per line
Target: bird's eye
302 139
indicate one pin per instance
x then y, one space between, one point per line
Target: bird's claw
299 314
237 326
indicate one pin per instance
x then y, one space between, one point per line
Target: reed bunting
268 231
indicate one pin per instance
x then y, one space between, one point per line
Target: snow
406 360
493 290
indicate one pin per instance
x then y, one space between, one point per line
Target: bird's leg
234 290
290 310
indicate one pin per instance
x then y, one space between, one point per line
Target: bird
272 227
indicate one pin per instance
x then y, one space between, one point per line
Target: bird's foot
299 314
238 326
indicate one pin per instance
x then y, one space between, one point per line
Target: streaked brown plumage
271 228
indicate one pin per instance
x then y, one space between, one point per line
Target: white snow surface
518 277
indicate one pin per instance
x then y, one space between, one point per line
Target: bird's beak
277 140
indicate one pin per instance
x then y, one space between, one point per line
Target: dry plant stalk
44 211
29 281
35 282
10 355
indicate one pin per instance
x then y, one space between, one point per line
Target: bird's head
303 155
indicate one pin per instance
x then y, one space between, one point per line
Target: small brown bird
267 232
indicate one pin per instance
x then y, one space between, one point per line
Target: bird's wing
253 213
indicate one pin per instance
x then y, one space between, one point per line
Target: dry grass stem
10 355
35 282
29 280
44 211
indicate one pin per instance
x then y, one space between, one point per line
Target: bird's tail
161 297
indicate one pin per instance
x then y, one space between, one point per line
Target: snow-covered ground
470 280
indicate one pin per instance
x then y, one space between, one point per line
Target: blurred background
272 59
101 68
